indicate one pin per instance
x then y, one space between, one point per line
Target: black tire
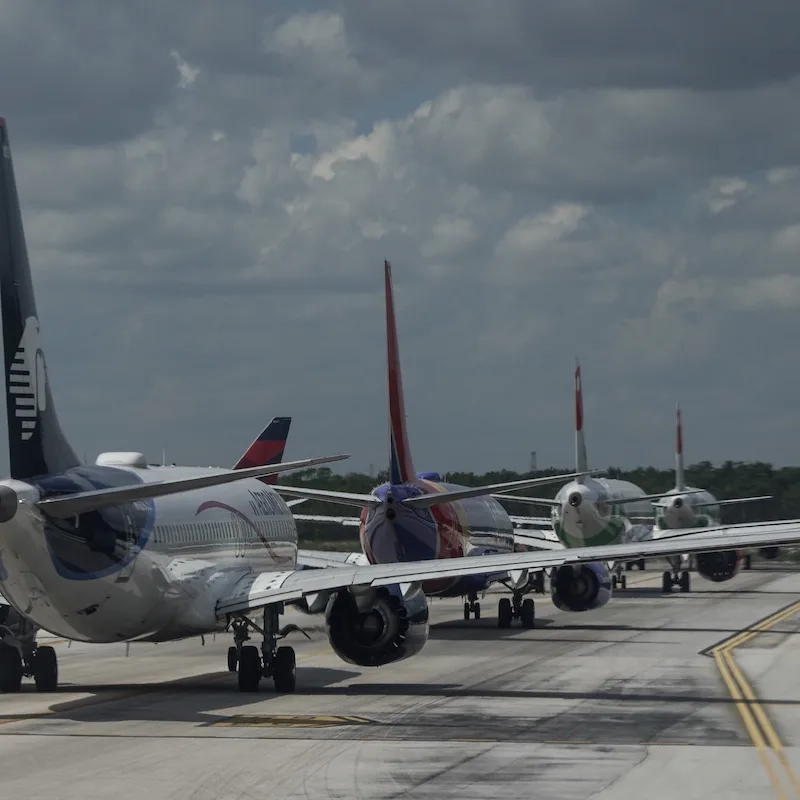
748 562
10 669
666 583
233 658
476 610
45 669
614 581
466 611
504 613
284 672
527 614
249 669
623 582
642 564
538 583
685 582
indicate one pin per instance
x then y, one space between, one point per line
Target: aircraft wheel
748 562
613 581
477 610
642 563
623 582
666 583
233 659
466 611
10 669
284 670
504 613
249 669
45 669
528 613
685 582
538 582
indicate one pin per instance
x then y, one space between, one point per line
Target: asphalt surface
627 701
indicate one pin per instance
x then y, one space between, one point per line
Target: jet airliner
122 550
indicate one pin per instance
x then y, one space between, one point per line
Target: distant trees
731 479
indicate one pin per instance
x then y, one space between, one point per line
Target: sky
209 190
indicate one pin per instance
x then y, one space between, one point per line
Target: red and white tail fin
401 468
680 482
268 448
581 463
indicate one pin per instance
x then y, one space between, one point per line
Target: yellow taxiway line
759 728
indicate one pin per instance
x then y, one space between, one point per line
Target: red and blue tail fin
581 462
680 481
401 468
268 448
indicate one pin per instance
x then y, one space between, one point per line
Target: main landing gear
618 578
274 662
472 607
21 657
516 608
670 579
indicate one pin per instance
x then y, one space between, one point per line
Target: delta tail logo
28 379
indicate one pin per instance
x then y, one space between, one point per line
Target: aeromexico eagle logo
27 380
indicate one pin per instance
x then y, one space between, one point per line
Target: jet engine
719 567
582 587
379 627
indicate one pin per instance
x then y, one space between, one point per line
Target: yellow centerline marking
758 726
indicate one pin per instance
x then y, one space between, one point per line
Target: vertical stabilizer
268 448
401 468
680 481
580 441
36 445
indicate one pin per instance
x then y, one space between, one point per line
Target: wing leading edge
273 587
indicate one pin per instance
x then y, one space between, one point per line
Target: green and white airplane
589 511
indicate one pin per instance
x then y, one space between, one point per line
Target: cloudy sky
210 189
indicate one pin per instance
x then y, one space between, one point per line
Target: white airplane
589 511
125 551
687 507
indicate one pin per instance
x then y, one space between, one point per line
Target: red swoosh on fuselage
235 511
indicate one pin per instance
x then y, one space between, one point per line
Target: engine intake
580 588
383 628
719 567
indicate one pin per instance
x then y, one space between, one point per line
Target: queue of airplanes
123 550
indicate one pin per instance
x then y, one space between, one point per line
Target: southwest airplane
687 507
125 551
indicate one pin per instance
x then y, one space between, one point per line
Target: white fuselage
587 514
162 582
680 509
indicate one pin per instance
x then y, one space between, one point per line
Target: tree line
730 479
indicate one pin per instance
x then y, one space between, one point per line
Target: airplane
437 519
589 511
124 551
687 507
20 632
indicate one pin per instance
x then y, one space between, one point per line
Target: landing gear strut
670 579
618 578
274 662
472 606
516 608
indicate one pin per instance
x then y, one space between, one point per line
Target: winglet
581 462
268 448
680 483
401 468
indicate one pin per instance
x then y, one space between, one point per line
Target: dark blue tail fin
268 448
36 445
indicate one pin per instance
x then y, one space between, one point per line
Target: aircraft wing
321 559
348 522
537 539
735 501
548 502
263 589
537 522
69 505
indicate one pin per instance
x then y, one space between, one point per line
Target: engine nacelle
582 587
719 567
379 628
770 553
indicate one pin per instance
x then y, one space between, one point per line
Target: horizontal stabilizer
347 522
536 542
651 497
82 502
735 501
326 496
530 501
435 498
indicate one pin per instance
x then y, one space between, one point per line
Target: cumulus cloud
210 192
